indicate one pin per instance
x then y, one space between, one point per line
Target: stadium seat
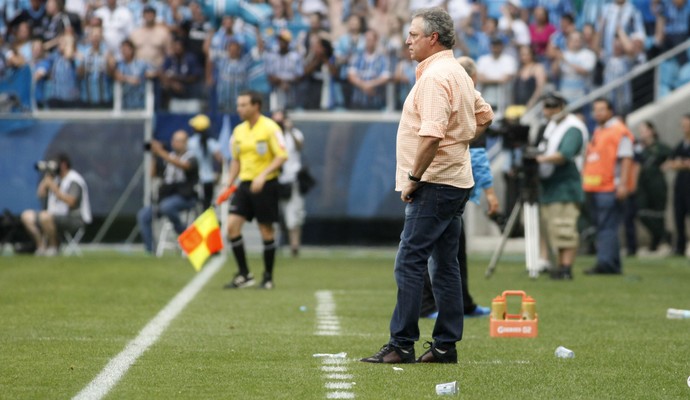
668 71
72 242
667 74
683 75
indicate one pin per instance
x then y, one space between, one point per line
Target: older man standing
434 177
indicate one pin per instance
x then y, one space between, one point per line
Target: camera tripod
528 203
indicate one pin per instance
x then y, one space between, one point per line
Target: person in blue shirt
369 72
132 73
345 47
674 21
62 80
94 67
230 77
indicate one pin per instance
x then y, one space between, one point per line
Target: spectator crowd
329 54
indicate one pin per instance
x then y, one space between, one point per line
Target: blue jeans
169 207
432 230
606 214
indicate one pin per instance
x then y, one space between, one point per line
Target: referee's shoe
240 281
267 282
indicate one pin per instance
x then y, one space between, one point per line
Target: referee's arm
260 180
234 171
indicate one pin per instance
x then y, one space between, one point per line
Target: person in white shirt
513 27
118 23
574 68
292 206
495 71
67 205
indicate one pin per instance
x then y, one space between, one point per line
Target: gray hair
437 20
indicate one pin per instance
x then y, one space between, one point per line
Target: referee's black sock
269 258
237 245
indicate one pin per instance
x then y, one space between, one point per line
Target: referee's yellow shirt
255 148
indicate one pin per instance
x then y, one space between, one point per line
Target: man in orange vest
606 181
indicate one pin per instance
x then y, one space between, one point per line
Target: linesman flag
202 239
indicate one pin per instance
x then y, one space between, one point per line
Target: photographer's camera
47 167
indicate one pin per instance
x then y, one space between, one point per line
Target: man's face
234 50
353 24
228 23
551 109
96 35
127 52
179 142
371 41
284 45
575 41
601 112
418 43
496 49
149 18
178 48
245 109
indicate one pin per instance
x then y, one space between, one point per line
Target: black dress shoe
390 354
438 355
600 271
562 274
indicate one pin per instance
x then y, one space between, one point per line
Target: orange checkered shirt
442 104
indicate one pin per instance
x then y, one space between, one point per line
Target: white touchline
338 385
335 371
118 366
339 376
327 368
340 395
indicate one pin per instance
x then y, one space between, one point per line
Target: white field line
334 368
118 366
328 368
340 395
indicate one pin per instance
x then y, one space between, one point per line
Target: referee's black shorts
262 205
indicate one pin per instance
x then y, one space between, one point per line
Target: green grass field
63 319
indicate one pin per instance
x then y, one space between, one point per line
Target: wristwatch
412 177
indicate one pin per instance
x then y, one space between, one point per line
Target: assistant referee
258 151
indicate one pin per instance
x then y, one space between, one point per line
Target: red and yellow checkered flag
202 239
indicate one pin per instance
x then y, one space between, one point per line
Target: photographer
177 193
562 148
67 205
292 201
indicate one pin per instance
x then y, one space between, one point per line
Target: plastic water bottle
498 308
528 308
562 352
674 313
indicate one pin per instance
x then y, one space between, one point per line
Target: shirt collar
429 60
611 122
